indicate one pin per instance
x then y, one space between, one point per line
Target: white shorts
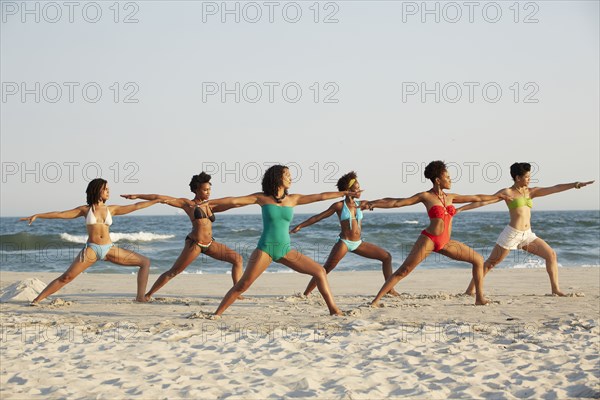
512 239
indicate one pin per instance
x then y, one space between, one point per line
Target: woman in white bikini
98 218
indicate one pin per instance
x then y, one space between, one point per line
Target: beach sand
91 340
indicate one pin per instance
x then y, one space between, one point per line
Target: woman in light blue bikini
348 210
98 218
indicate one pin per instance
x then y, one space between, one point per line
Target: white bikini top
90 218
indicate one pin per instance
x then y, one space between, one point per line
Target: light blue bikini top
346 215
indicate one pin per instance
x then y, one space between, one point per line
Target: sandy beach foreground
91 340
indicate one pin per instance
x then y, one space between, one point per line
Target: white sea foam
410 222
529 264
116 236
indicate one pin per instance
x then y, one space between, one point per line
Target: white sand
22 291
430 343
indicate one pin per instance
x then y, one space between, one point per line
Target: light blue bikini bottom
101 250
351 244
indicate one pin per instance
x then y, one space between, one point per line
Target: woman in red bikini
437 235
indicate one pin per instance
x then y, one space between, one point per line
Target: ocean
51 245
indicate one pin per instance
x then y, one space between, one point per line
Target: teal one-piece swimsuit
275 238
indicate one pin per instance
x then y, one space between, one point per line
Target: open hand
129 196
366 205
582 184
30 219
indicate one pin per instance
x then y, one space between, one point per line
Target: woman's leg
257 264
220 252
369 250
128 258
461 252
542 249
306 265
189 253
83 261
421 249
338 251
496 256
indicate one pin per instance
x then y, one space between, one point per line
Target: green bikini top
520 202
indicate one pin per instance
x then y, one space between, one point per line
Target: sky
148 93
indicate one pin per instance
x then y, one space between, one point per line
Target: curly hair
435 169
273 180
344 182
519 169
94 189
198 180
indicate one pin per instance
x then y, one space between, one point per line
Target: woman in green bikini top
518 234
277 207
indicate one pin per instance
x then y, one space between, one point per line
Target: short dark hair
343 183
273 179
93 190
435 169
519 169
198 180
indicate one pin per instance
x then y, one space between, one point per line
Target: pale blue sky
367 61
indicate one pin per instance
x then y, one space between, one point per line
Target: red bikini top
438 211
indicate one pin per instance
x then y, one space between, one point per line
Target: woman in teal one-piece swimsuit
274 244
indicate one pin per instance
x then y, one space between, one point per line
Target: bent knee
144 262
387 257
320 274
477 259
238 260
552 257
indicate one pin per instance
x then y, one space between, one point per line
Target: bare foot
481 301
558 293
240 297
34 304
376 304
393 293
142 299
470 293
337 312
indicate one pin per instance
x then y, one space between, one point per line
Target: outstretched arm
476 204
484 198
122 210
226 203
222 207
545 191
390 202
315 218
68 214
301 199
172 201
